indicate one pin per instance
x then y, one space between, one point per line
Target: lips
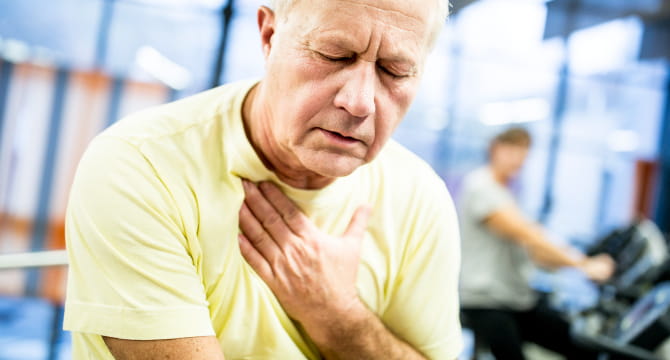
340 137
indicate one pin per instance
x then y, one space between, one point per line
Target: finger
359 222
266 214
256 234
289 211
255 259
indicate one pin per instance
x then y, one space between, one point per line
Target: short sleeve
131 275
486 198
424 308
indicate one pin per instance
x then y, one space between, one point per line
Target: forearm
194 348
509 223
598 268
549 254
360 334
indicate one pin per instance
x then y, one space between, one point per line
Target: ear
266 27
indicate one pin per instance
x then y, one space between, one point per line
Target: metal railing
33 259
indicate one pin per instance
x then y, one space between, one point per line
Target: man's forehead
398 9
423 12
356 21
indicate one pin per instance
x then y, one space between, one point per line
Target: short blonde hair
282 7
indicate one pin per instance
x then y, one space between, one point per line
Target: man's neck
499 176
286 166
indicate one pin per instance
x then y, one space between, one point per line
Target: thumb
359 221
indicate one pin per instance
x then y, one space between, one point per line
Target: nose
357 94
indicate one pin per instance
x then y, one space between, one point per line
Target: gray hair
281 7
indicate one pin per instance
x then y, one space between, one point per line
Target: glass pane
64 32
243 58
610 122
175 46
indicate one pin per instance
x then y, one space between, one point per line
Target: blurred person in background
500 247
273 219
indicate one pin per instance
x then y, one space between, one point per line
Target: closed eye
335 58
392 73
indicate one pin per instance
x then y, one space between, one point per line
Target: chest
241 303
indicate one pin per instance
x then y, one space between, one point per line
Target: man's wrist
347 319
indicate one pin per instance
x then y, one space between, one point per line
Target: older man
273 219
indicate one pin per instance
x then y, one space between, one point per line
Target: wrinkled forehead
434 7
419 14
406 22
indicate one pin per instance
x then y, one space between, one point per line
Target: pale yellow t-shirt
152 227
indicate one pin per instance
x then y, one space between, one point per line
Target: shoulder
478 176
478 180
199 111
174 139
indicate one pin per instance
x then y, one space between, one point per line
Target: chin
333 165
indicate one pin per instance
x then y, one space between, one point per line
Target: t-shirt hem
137 324
449 349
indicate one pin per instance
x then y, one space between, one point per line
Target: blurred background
588 78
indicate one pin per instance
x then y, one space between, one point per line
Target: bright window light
605 47
212 4
623 141
515 111
163 69
490 24
15 51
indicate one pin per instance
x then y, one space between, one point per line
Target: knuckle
295 251
292 214
303 231
271 220
315 249
278 265
259 237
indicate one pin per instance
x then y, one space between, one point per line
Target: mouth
338 137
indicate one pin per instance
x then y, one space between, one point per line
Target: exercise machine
632 317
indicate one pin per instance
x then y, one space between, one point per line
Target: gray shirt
495 270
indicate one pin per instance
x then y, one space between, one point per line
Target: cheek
310 85
506 159
393 107
310 94
396 103
299 113
386 125
386 122
305 106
